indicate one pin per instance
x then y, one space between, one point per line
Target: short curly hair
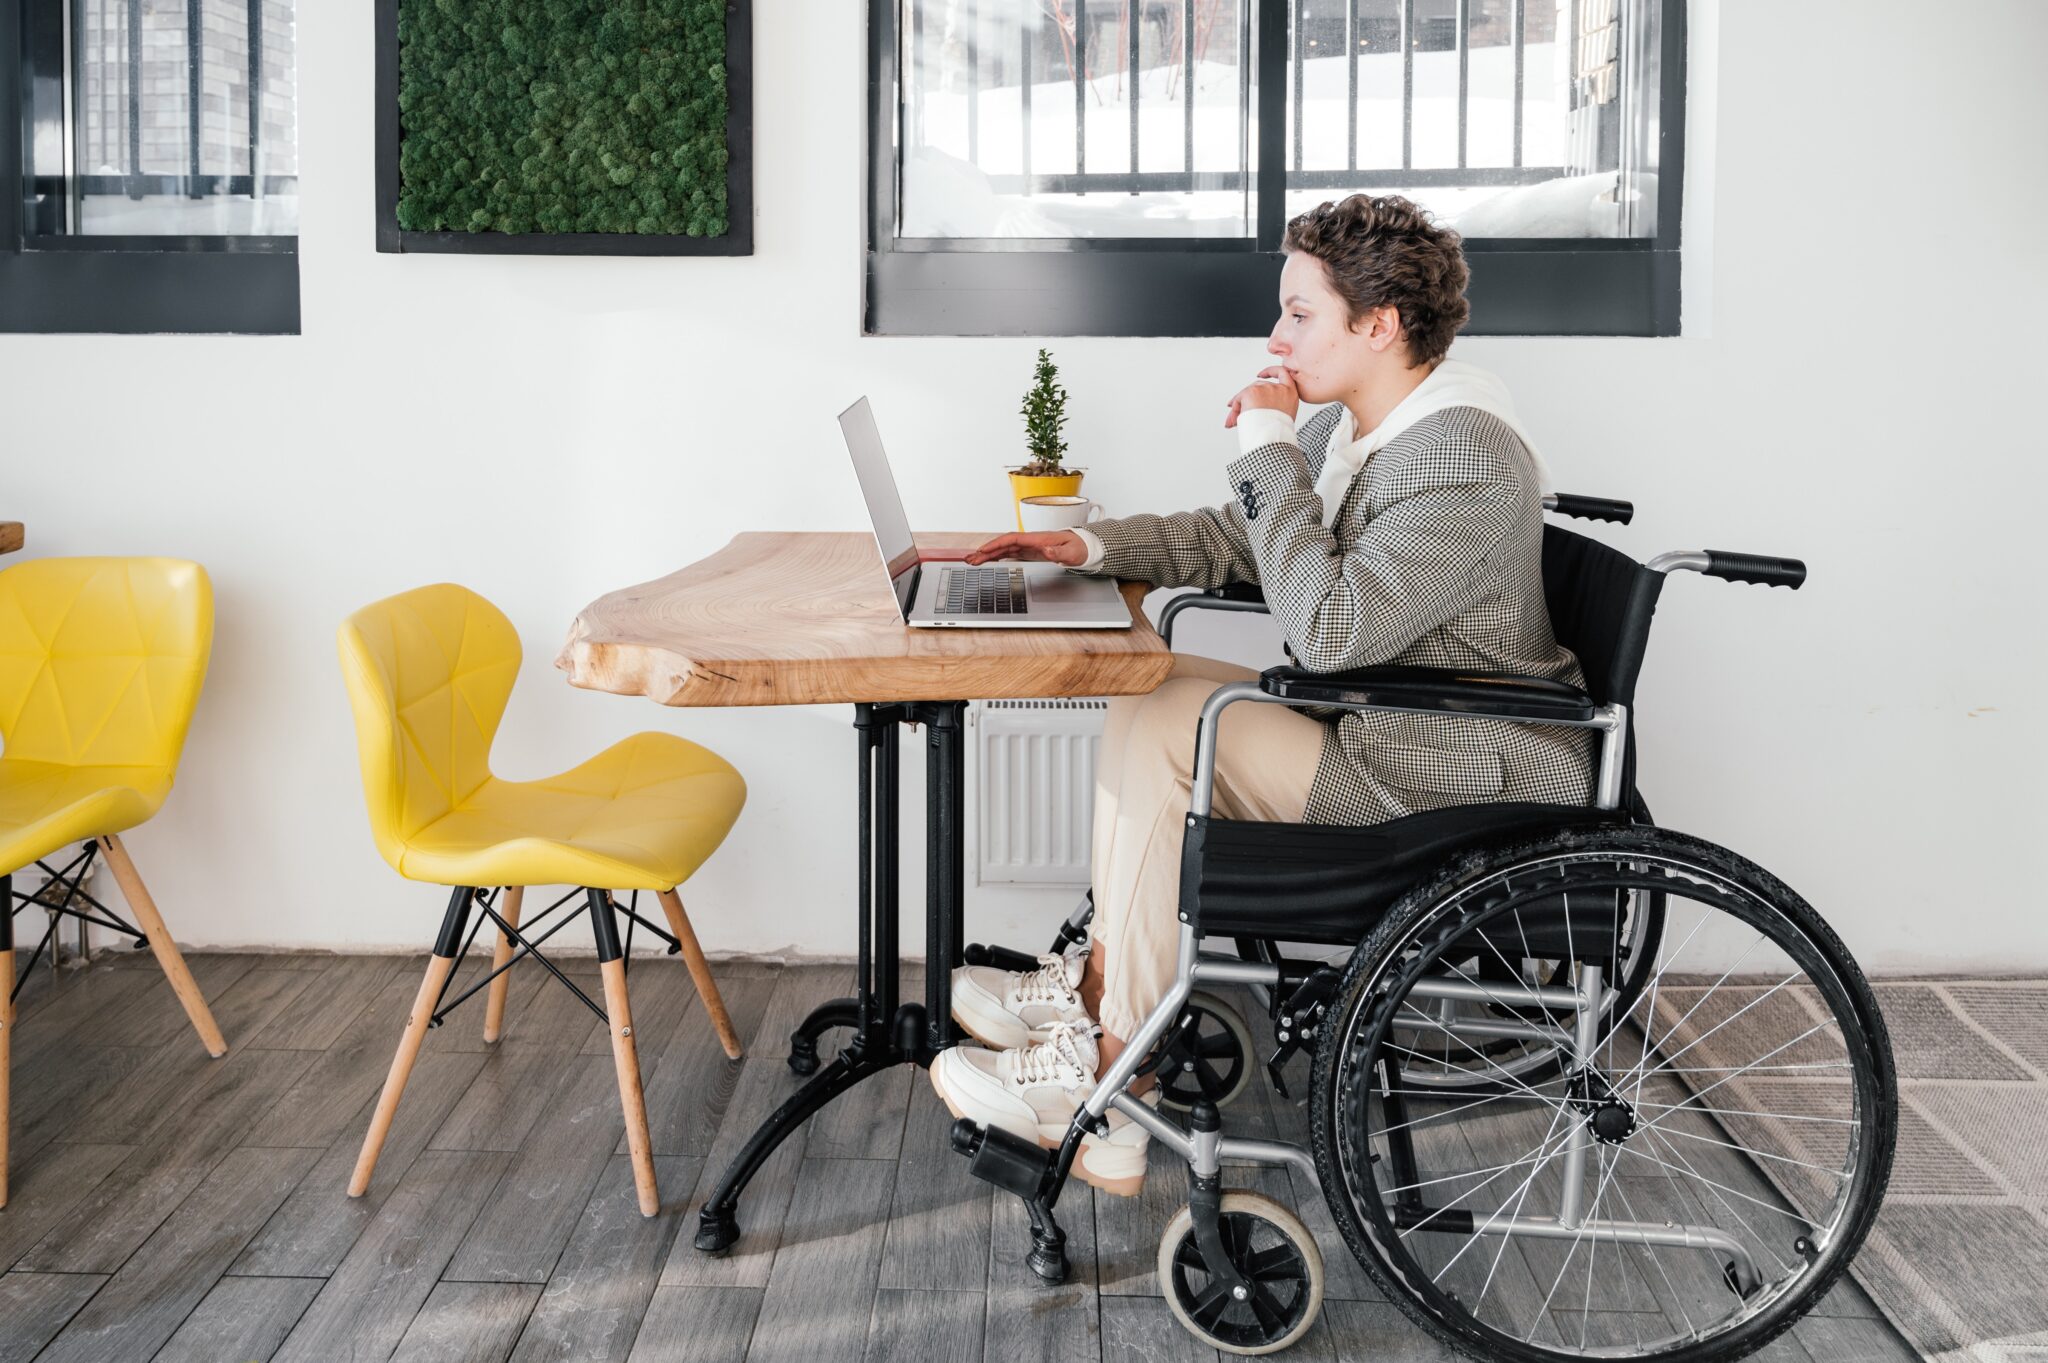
1386 251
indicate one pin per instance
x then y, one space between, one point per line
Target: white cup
1057 513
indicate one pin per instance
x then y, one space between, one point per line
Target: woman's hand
1275 389
1041 546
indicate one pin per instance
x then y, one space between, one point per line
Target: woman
1402 523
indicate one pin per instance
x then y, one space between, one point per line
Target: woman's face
1328 360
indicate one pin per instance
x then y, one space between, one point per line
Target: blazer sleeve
1203 548
1417 564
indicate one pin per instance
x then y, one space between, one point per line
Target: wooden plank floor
171 1207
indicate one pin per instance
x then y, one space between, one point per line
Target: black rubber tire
1431 913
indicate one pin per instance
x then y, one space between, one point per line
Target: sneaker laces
1054 979
1060 1058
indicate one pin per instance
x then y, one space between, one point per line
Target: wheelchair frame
1038 1178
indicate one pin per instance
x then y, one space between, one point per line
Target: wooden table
798 619
10 536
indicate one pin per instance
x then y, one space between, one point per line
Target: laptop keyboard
981 591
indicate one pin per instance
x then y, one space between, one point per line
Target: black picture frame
738 239
1225 286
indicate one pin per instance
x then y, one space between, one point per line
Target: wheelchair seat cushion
1330 883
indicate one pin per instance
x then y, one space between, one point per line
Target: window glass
1022 118
1540 123
163 118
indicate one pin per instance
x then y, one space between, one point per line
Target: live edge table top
803 618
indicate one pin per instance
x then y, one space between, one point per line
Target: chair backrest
429 672
1601 601
102 660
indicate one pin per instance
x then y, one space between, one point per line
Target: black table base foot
803 1042
716 1230
716 1226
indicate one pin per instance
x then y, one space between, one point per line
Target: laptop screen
885 505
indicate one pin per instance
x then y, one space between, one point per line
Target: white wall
1865 199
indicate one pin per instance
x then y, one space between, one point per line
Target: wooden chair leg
626 1057
438 968
700 971
494 1002
152 925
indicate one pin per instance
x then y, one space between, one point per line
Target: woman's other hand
1043 546
1275 389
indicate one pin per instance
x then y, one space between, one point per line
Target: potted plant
1045 413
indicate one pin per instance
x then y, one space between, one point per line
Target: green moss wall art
564 126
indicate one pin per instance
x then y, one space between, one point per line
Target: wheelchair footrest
1002 958
995 1156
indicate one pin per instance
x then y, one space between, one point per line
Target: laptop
938 593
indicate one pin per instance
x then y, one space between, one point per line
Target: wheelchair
1582 1087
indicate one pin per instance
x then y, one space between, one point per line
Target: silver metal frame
1589 1000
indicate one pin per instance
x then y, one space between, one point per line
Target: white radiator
1035 789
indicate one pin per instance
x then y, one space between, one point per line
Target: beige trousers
1266 756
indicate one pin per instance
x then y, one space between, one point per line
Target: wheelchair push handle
1762 569
1590 508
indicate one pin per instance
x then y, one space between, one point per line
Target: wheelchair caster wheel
1211 1059
1732 1275
1268 1246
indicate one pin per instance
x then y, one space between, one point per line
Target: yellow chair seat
44 805
641 815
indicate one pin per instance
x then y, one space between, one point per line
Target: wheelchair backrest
1601 601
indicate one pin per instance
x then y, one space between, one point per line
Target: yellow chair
101 660
429 672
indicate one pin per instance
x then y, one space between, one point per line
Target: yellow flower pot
1024 485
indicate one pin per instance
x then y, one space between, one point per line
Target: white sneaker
1009 1009
1033 1093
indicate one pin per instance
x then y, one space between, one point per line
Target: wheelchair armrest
1450 691
1232 596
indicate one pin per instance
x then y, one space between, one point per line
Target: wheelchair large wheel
1697 1176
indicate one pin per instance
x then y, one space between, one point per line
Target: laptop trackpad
1049 591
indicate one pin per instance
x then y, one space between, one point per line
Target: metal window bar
1080 88
1464 23
135 99
917 69
1244 91
1187 85
973 22
1030 76
1519 21
1407 84
1298 43
195 56
255 99
1351 83
1135 15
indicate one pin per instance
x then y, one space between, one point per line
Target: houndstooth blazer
1435 560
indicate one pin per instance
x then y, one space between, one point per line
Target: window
155 155
1127 167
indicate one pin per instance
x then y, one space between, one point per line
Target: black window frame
1224 287
189 285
